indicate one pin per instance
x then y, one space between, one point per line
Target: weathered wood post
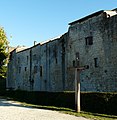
77 90
78 69
77 84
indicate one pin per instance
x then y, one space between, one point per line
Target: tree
3 52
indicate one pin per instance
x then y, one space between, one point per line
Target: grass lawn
92 116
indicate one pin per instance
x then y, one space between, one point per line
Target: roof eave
85 18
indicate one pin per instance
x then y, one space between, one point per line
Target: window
25 68
74 63
96 62
55 55
56 61
40 71
89 40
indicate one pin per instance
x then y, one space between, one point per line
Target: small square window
89 40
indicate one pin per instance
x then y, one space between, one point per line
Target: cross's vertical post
77 84
78 91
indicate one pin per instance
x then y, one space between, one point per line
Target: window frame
89 40
96 63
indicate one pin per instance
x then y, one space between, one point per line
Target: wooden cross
78 69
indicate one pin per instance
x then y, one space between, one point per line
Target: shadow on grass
73 112
96 116
101 115
49 107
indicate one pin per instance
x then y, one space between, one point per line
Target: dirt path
10 110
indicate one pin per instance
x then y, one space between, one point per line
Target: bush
59 99
90 102
2 86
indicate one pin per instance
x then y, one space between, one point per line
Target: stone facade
39 68
94 37
49 66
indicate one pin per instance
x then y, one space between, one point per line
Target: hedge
90 102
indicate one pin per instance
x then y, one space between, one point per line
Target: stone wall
39 68
92 39
49 66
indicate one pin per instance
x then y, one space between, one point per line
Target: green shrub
90 102
2 86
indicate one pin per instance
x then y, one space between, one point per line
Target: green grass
92 116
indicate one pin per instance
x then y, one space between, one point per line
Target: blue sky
38 20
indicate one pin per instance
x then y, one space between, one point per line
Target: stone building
49 66
39 68
95 39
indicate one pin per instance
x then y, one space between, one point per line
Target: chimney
35 43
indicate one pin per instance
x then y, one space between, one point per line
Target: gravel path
10 110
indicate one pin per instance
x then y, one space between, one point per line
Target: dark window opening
40 71
56 61
105 71
89 40
70 46
63 49
73 63
25 68
96 62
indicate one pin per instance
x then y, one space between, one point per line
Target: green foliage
2 87
95 106
103 103
3 70
3 52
